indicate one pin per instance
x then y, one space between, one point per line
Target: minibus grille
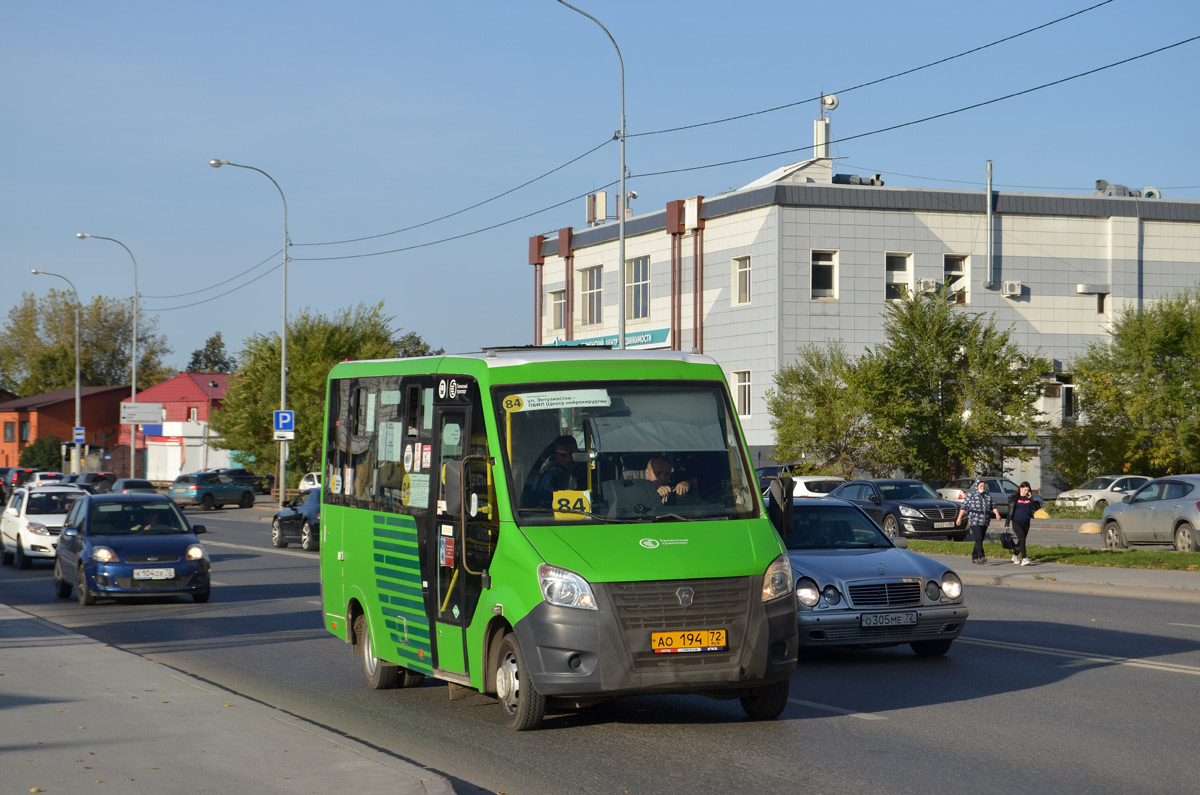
655 606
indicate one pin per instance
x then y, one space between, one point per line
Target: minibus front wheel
524 707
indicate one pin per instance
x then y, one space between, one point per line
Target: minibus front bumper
607 652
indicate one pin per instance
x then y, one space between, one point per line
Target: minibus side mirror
779 504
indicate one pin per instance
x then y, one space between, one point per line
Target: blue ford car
119 545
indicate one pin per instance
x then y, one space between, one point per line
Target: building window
958 283
24 431
1069 408
741 390
192 415
591 295
741 280
10 430
558 310
824 275
897 279
637 288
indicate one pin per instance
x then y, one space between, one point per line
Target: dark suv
260 483
96 482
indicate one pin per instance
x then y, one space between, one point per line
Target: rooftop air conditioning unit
1011 290
927 285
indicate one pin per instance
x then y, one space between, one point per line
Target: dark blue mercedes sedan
119 545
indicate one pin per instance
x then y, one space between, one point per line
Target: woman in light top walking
978 508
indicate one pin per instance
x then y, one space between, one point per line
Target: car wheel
82 591
247 500
62 588
277 537
201 596
1185 538
380 675
1101 505
1114 539
23 561
767 702
931 648
207 502
524 707
308 538
6 557
891 526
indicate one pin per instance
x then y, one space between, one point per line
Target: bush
43 454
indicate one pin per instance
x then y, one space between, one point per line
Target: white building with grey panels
795 258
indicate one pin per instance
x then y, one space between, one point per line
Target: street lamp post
620 201
133 386
281 483
208 421
77 450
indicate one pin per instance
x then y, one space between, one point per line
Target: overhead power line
877 81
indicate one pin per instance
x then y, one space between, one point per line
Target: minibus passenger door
451 607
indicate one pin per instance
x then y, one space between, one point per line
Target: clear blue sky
375 116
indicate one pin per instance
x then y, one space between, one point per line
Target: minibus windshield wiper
586 514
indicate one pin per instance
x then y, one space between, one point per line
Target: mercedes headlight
951 585
808 593
565 588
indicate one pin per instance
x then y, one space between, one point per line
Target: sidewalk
79 714
1183 586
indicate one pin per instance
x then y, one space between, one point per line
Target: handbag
1008 541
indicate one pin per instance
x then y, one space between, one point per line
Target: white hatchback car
33 520
310 481
1101 491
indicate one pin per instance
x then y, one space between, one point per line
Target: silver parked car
1163 511
1000 490
1100 491
857 587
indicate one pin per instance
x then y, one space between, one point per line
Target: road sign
141 413
285 421
79 435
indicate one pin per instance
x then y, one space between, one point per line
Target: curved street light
77 450
282 481
133 386
622 200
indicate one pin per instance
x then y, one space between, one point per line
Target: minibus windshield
623 452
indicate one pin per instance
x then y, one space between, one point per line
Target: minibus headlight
565 588
777 581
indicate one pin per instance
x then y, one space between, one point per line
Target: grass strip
1163 559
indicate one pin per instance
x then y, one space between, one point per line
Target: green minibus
552 527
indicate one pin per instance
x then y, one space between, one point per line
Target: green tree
212 358
819 415
37 344
1138 393
44 453
946 388
315 344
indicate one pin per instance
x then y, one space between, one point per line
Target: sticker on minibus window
561 399
571 505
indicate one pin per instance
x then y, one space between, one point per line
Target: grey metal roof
879 198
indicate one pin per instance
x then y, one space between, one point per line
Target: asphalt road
1069 693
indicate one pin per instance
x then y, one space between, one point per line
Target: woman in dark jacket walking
1021 508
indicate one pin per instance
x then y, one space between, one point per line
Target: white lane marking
826 708
1081 659
307 555
1173 624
